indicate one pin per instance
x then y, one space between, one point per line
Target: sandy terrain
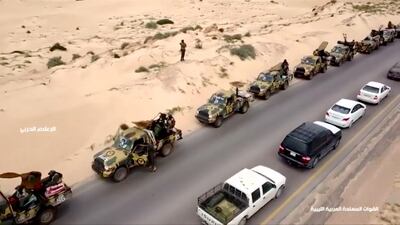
82 102
377 186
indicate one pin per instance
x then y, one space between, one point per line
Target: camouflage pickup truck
313 64
131 145
341 53
222 105
269 82
368 45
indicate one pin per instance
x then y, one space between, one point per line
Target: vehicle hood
112 153
367 42
337 55
261 84
306 67
271 174
211 109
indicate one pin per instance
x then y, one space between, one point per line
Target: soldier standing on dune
183 50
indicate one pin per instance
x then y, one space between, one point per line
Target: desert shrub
175 110
151 25
55 61
124 45
165 21
142 69
75 56
244 52
199 44
247 34
160 36
233 38
57 46
190 28
95 58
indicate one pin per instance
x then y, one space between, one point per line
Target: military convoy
132 146
222 105
270 82
35 201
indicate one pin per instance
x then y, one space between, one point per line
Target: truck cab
241 196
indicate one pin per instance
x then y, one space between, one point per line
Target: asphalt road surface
208 156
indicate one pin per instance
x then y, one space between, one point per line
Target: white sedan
373 92
345 112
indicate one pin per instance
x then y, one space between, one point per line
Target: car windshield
295 144
370 89
266 77
308 61
217 100
340 109
124 143
387 32
337 50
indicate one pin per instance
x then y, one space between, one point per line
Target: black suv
309 143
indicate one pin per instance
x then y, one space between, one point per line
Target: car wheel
243 221
279 192
267 95
285 85
218 122
310 77
47 216
244 108
315 162
337 142
120 174
351 124
166 149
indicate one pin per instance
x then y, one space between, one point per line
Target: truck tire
315 162
166 150
244 108
218 122
310 77
279 192
266 95
243 221
337 142
285 85
325 68
120 174
47 216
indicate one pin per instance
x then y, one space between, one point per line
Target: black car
309 143
394 72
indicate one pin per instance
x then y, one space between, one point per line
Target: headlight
197 112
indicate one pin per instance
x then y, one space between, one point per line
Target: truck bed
221 205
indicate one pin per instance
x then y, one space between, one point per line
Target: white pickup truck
241 196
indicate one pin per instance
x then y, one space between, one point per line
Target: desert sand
58 118
377 187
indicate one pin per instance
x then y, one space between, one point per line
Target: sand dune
97 88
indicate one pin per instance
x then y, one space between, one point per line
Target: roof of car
311 56
328 126
246 180
347 103
375 84
307 131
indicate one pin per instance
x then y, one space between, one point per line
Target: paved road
209 156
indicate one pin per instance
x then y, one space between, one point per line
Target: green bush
244 52
55 61
142 69
165 21
233 38
151 25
